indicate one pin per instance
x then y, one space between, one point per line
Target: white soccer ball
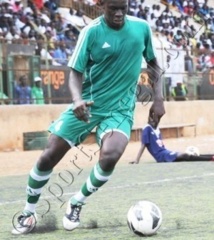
192 150
144 218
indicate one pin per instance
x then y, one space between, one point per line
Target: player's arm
140 152
75 85
157 109
79 105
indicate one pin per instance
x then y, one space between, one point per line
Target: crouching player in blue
151 139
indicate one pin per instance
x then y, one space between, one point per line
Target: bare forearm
75 85
142 148
154 72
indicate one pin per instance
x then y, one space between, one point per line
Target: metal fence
17 60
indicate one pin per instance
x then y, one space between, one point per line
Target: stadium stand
52 28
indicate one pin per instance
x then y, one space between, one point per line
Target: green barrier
35 140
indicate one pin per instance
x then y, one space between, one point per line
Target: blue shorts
166 156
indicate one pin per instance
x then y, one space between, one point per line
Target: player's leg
67 131
114 141
38 177
112 148
184 157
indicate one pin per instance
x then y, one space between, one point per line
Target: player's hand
81 110
157 110
133 162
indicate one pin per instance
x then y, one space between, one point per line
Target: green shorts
74 131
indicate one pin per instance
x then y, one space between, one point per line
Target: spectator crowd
180 30
41 24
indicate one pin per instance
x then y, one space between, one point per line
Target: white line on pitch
129 185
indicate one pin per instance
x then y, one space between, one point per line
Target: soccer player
151 139
104 72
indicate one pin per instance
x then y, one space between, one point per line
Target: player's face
114 12
153 123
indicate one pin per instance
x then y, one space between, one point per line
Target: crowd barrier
19 119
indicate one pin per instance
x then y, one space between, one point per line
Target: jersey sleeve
149 51
81 54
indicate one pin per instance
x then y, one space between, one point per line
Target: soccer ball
144 218
191 150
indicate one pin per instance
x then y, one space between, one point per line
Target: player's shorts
74 131
166 156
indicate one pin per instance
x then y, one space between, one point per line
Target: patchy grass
183 191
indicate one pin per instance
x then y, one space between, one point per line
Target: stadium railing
91 11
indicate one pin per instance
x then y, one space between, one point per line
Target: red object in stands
38 3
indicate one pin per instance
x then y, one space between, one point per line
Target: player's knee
47 160
109 158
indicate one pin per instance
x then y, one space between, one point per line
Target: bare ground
20 162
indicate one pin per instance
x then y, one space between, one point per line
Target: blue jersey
152 139
22 94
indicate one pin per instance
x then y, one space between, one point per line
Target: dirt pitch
20 162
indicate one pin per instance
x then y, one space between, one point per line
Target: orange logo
56 78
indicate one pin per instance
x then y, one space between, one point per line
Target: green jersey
111 62
3 96
37 95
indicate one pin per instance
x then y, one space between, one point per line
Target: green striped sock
96 179
36 181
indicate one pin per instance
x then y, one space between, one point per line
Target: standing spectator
37 91
3 98
22 92
179 92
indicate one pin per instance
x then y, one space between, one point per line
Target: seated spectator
200 3
159 24
152 22
60 55
32 36
141 13
209 25
52 6
188 7
70 41
46 57
11 36
156 11
42 25
50 39
17 6
26 26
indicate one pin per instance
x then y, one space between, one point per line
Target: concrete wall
15 119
